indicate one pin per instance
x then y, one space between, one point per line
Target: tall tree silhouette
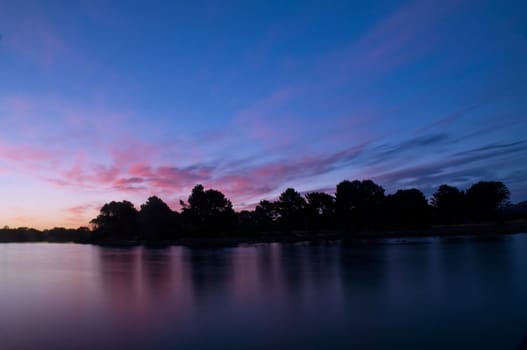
158 220
407 209
356 205
265 215
486 198
320 210
359 203
246 222
291 207
117 219
449 204
208 211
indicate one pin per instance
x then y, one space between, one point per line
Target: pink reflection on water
66 296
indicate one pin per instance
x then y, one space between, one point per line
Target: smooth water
461 293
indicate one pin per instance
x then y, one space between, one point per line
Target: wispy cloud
390 99
459 168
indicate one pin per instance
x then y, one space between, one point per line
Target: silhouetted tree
449 203
516 211
209 211
408 209
320 210
265 215
20 234
117 219
291 209
485 199
158 220
359 203
61 234
356 205
245 220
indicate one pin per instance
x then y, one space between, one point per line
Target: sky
121 100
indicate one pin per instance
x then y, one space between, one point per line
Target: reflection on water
412 294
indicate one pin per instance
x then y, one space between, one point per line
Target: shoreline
471 230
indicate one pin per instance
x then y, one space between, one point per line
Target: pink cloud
166 177
129 172
60 155
75 173
80 209
256 182
103 174
80 215
244 187
24 153
130 150
140 169
129 184
133 167
242 183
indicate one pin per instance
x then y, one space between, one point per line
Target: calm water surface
461 293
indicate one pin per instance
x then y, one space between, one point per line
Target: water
461 293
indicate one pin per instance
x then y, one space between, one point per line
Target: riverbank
518 226
478 230
84 236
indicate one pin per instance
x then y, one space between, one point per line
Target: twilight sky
112 100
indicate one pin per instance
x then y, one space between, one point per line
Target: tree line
54 235
355 206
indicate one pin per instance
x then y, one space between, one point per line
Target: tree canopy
485 198
119 219
158 220
408 208
208 211
320 210
359 203
449 202
356 206
291 207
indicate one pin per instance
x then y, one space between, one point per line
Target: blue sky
125 100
